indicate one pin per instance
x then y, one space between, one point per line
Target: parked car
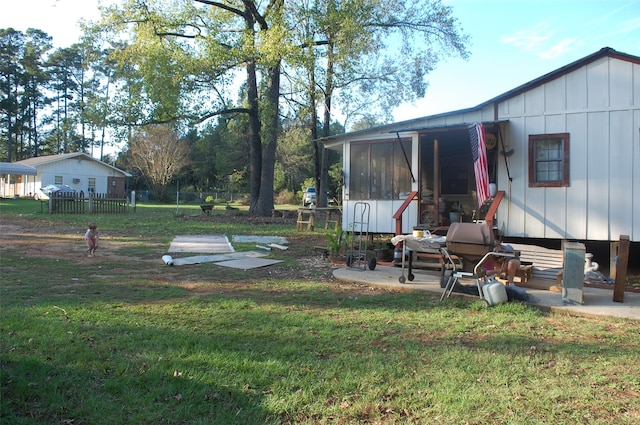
60 189
309 196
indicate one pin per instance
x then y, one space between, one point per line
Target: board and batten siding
599 106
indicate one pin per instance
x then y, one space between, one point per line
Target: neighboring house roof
410 125
17 169
48 159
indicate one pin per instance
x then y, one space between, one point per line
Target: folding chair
458 274
448 262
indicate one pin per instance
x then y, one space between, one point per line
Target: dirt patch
40 239
44 239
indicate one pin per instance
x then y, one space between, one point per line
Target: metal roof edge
17 169
604 52
387 128
446 126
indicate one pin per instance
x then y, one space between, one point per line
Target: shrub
285 197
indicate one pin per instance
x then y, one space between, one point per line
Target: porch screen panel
359 170
401 169
381 171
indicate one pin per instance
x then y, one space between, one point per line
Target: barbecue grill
470 242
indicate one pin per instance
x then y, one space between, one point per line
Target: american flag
479 152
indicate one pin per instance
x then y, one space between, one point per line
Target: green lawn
123 339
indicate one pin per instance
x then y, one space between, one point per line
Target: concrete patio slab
597 302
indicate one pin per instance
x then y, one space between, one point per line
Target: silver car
309 196
58 189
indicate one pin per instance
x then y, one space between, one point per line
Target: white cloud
558 49
530 38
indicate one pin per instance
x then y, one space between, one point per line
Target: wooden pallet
545 263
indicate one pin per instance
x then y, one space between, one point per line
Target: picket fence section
94 203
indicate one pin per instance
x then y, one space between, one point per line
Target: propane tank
495 293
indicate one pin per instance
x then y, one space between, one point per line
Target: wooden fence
98 203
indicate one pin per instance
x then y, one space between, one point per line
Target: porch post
436 179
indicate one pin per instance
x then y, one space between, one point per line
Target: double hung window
549 160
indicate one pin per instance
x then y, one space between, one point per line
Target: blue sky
516 41
512 41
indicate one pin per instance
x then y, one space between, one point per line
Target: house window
57 180
379 170
91 187
549 160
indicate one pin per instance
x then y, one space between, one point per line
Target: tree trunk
326 131
255 148
314 127
271 121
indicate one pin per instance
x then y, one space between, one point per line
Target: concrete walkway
597 302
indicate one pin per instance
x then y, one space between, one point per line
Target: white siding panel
534 213
534 101
636 86
598 176
353 219
409 219
534 196
510 216
577 90
381 216
555 95
576 227
555 123
514 106
533 125
620 82
635 176
555 197
620 172
555 212
598 84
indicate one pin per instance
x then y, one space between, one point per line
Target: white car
60 189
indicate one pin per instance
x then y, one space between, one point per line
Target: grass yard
121 338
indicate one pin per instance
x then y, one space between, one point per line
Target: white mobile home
78 170
563 151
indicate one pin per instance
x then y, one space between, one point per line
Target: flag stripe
480 169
